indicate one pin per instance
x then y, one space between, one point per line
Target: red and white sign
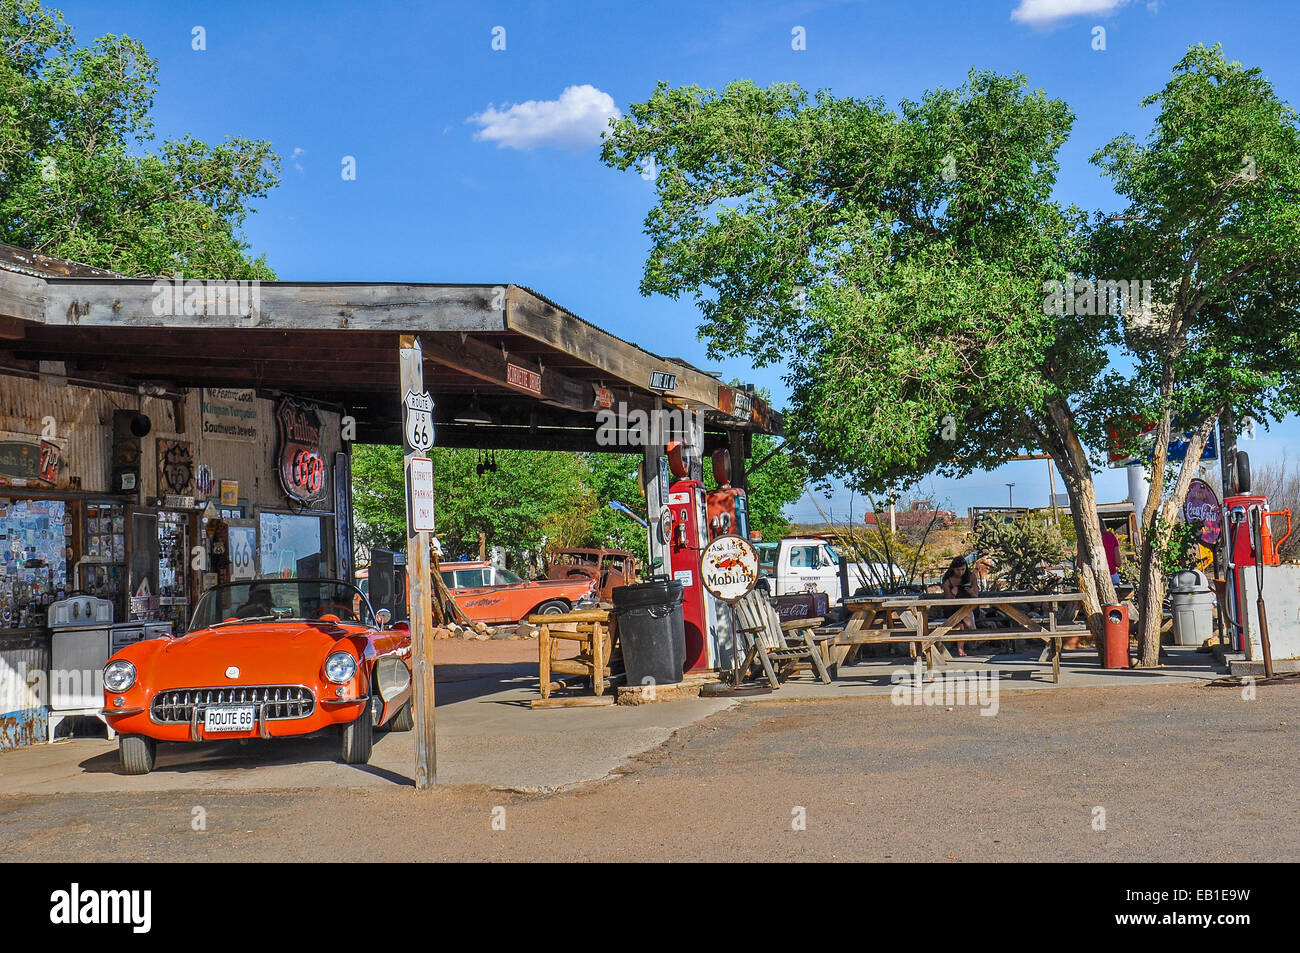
419 490
524 378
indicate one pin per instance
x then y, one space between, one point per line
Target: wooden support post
419 581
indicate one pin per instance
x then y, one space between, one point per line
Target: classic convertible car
266 658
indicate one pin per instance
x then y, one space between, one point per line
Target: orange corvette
266 658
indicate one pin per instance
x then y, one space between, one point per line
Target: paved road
1183 773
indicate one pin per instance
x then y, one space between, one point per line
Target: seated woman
960 583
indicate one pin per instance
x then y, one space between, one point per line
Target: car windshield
268 599
506 577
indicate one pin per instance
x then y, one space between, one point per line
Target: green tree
75 179
1213 220
613 476
529 501
910 264
896 261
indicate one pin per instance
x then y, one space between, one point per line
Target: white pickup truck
811 564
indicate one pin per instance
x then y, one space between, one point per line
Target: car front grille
283 702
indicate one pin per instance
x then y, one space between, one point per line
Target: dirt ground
1160 773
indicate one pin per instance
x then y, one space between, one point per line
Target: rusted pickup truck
608 567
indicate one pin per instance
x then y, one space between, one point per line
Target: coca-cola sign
299 459
1202 506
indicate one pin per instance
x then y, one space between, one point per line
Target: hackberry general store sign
729 567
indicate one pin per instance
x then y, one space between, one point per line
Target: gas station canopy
507 368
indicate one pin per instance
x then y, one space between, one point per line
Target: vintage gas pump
697 517
1245 551
727 506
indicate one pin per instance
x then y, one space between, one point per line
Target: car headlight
340 667
119 675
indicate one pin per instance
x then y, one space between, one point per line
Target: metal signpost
417 432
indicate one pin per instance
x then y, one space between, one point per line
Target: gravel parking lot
1158 773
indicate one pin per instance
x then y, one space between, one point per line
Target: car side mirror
383 617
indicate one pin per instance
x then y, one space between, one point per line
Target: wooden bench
906 620
597 638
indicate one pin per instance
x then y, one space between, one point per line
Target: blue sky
519 194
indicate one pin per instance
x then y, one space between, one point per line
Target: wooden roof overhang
338 343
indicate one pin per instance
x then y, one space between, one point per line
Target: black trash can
651 631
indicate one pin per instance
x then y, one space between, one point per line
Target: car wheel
359 738
404 720
137 753
554 607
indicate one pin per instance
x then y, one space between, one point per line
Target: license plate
228 719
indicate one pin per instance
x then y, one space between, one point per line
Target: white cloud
574 121
1044 12
298 153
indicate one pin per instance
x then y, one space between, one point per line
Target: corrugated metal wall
83 420
24 714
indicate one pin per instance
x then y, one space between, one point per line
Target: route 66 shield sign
417 410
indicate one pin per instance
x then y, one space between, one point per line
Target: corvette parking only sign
420 502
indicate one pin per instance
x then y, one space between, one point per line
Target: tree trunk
1072 460
1151 592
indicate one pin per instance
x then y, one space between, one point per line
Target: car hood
275 654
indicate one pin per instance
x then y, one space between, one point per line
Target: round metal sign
1202 505
729 567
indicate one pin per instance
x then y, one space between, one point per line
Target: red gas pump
690 534
1244 550
697 517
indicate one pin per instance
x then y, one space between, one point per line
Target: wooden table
596 636
906 619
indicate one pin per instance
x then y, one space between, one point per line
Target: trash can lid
1189 580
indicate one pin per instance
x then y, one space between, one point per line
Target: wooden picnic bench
906 619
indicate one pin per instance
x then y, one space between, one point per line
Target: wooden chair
762 635
596 636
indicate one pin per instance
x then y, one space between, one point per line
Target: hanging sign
419 492
604 397
417 421
1202 505
662 380
524 378
729 567
299 461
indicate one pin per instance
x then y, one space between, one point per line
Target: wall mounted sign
604 397
342 515
729 567
524 378
420 495
417 421
26 461
299 461
229 492
204 480
1202 505
662 380
175 467
230 413
243 551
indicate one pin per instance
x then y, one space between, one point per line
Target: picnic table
906 619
